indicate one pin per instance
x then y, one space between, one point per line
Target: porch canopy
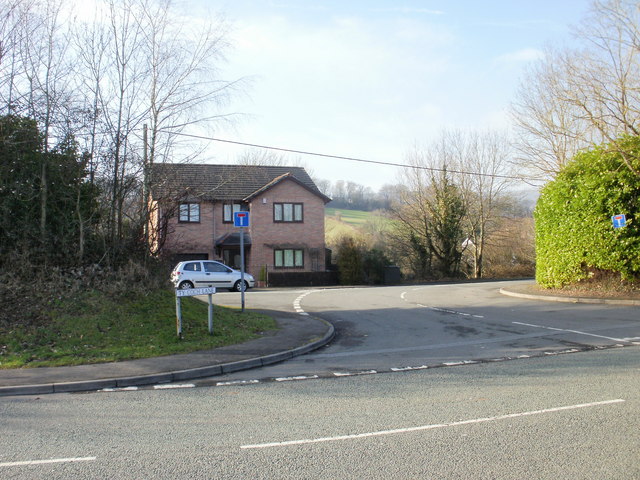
232 240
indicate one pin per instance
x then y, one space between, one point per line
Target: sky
373 79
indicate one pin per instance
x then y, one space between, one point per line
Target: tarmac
296 335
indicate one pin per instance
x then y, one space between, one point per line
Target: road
565 416
533 390
394 328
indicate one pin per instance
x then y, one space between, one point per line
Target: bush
358 264
349 260
574 233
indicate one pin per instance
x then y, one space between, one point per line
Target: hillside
340 222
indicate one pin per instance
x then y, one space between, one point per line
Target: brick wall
266 234
192 237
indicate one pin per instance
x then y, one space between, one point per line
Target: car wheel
184 285
238 286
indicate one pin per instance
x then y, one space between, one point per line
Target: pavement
296 335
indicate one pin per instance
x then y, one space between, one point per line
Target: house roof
186 181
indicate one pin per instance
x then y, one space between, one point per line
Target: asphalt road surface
392 328
564 416
438 381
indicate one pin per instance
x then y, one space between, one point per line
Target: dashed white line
236 382
299 377
429 427
169 387
407 369
44 462
120 389
352 374
296 303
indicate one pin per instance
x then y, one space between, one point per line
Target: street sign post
241 220
190 292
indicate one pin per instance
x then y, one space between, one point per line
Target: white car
208 273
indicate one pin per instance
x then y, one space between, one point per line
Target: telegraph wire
353 159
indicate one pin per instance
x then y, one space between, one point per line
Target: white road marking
407 369
236 382
169 387
429 427
572 331
351 374
403 296
296 302
299 377
43 462
120 389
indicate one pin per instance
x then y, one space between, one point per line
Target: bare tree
550 132
574 98
430 214
487 156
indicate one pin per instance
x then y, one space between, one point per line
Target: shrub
349 261
574 233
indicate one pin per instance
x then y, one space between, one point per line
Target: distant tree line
354 196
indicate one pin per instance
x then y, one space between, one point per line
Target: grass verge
92 328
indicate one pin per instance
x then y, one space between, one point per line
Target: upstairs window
190 212
228 209
287 212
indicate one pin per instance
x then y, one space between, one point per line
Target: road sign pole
242 289
210 315
241 220
178 317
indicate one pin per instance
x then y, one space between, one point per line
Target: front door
231 257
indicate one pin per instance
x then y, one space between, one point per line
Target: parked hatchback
208 273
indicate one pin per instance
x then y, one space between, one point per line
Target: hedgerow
574 231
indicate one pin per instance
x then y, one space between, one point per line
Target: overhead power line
355 159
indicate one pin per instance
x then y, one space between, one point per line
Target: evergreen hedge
574 231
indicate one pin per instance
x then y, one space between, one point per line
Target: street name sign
190 292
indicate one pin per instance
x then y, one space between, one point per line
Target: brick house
192 210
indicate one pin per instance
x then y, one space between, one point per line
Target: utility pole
145 187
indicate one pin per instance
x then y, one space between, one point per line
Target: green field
340 222
350 217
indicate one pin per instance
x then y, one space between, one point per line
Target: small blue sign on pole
241 219
619 221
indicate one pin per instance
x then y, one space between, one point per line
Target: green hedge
574 231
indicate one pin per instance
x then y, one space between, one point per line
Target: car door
220 275
194 272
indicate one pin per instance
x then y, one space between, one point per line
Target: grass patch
92 328
356 218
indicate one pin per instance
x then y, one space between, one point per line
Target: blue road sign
241 219
619 221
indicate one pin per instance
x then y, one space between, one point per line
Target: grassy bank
92 328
